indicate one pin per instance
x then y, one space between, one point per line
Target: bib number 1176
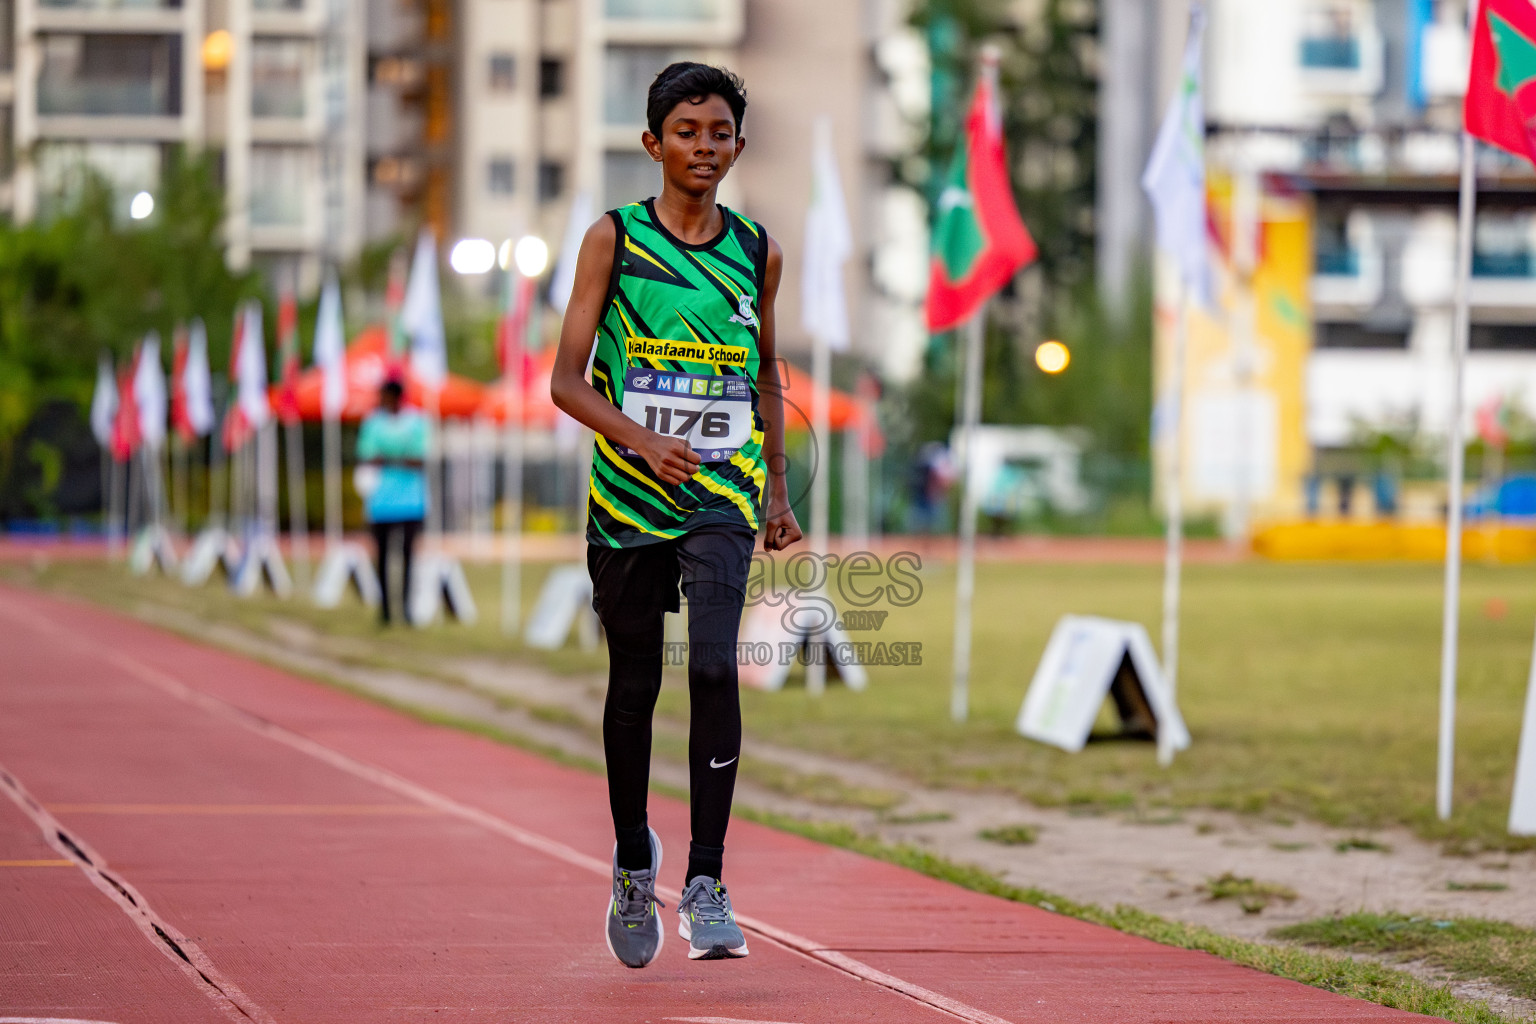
666 420
712 413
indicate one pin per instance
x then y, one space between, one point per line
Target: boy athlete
687 466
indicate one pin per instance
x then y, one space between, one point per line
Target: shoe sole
661 933
718 952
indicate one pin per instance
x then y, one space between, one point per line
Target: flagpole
298 512
965 572
821 444
1173 499
513 442
1461 327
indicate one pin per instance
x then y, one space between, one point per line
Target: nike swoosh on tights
722 764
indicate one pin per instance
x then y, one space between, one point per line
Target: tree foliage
84 281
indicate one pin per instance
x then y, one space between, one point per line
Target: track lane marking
383 810
181 951
219 708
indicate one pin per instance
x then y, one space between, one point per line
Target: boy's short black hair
392 388
690 82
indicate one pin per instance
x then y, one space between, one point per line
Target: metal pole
1246 213
1460 329
821 443
965 571
512 515
298 511
332 453
1173 498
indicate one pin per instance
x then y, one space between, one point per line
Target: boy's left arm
781 530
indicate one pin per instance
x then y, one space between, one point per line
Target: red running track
192 837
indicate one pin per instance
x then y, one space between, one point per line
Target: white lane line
165 937
550 847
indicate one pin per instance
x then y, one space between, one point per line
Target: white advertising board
1086 660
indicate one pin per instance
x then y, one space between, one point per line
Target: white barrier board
1081 664
346 564
1522 808
564 601
771 648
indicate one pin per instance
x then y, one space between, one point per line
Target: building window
628 177
1330 41
278 77
499 176
503 72
663 10
551 180
7 156
1501 246
551 78
110 75
64 167
1503 337
1349 334
1334 255
280 177
627 75
7 44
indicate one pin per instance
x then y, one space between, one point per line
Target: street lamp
472 256
531 255
141 206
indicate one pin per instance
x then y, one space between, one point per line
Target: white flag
104 400
421 315
828 244
330 350
149 392
576 224
1175 175
251 373
196 382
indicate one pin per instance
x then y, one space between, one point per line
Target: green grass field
1310 690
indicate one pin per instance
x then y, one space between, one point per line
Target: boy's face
698 145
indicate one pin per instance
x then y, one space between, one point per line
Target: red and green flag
1500 107
979 240
289 366
394 302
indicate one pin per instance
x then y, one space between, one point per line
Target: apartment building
275 85
552 94
1340 122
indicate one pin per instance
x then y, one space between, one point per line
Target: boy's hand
781 531
672 459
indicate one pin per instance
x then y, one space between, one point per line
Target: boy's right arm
671 458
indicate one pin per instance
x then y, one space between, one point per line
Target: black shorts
647 577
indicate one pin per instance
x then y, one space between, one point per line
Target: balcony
110 76
1501 264
1332 54
100 16
696 22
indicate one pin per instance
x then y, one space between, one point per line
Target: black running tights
714 732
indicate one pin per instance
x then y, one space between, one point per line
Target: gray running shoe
633 930
706 920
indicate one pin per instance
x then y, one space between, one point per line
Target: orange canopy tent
846 412
367 364
539 410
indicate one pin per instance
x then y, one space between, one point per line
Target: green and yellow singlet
677 350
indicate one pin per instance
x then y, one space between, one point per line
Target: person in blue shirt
394 441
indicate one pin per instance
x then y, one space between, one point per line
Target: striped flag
104 400
1175 176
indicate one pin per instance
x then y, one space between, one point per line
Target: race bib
713 414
